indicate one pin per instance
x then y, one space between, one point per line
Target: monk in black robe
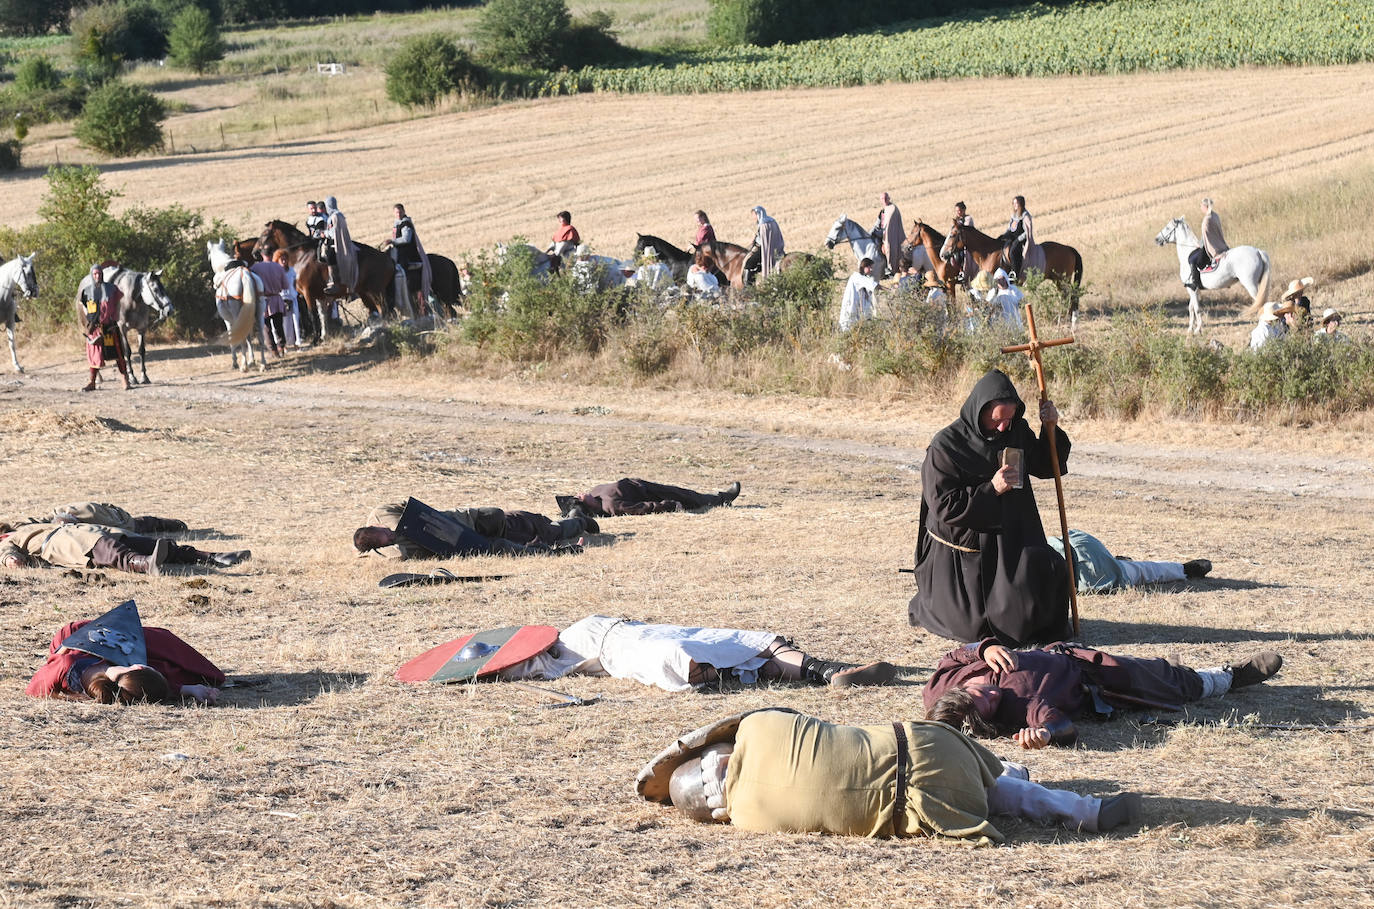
983 567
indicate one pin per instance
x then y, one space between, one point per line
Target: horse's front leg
143 355
122 337
1194 313
14 357
321 310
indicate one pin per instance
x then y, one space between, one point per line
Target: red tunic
178 661
566 233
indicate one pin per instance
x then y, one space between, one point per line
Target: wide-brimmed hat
982 282
582 250
652 781
1296 287
1329 314
1274 310
650 253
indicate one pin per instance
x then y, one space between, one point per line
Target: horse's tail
1077 269
1261 289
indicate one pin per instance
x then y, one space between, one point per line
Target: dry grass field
332 785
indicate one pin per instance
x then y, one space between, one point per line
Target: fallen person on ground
1099 571
679 658
1034 696
629 496
91 546
104 514
494 531
983 566
776 771
174 670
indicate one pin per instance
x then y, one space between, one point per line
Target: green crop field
1114 37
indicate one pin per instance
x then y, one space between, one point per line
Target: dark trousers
1199 259
116 549
1156 681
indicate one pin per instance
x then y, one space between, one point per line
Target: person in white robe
860 296
1006 299
679 658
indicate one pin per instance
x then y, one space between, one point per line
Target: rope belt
948 543
903 767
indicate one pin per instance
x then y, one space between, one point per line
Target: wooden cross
1032 350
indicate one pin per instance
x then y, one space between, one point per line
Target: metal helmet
698 782
477 649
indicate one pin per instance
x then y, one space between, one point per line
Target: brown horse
1063 264
931 240
375 271
729 259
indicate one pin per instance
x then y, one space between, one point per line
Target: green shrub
37 75
765 22
591 40
524 32
427 69
121 119
194 42
9 155
32 17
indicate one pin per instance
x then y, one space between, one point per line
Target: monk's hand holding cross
1049 414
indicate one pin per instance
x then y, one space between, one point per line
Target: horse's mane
660 246
290 230
937 237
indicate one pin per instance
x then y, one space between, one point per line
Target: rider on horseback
337 251
1213 244
1018 237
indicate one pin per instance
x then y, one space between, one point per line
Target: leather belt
903 768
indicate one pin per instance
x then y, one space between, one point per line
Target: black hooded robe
1011 585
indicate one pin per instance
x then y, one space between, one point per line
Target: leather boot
90 386
845 675
331 284
729 493
151 564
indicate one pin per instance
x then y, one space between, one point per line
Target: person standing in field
292 296
274 285
860 296
889 234
100 310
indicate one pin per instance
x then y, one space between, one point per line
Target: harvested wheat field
331 784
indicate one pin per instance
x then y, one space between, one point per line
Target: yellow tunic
64 545
791 773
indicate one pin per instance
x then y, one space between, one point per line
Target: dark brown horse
729 258
931 240
1063 264
375 271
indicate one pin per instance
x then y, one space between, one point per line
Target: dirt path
381 400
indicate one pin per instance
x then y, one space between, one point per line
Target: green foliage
523 32
9 154
427 69
541 34
36 75
1039 40
31 17
76 228
121 119
194 42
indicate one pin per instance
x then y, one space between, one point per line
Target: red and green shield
489 653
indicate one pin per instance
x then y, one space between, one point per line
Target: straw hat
1273 311
982 282
650 253
1329 314
1296 287
583 250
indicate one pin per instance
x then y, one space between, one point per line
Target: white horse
541 263
845 230
16 275
1246 264
238 299
145 303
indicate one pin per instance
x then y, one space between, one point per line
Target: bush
765 22
591 40
36 75
524 32
76 229
9 155
121 119
194 43
427 69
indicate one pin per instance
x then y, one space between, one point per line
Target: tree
426 69
31 17
36 75
523 32
121 119
193 42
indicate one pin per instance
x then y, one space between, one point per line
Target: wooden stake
1033 351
